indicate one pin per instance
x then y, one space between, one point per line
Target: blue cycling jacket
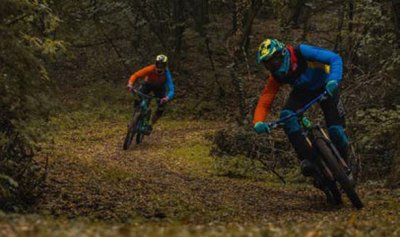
170 84
315 67
322 66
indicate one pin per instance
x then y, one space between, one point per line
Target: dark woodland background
62 57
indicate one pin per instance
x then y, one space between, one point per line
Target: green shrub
240 152
379 143
24 102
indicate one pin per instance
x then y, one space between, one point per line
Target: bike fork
340 159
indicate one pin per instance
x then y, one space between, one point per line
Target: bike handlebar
134 91
282 121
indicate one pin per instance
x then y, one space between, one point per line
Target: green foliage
204 109
380 142
240 152
378 36
240 167
25 45
379 124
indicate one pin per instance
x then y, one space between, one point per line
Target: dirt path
169 177
167 186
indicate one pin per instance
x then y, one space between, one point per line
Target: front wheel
338 172
143 125
139 137
132 128
140 132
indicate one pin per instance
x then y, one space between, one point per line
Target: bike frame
312 132
144 108
299 112
331 167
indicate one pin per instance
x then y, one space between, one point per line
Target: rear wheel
132 127
338 173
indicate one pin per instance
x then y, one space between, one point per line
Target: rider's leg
294 132
159 92
334 116
303 149
157 115
340 139
297 99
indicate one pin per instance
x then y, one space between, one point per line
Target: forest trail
168 177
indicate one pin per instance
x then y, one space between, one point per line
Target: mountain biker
157 79
309 70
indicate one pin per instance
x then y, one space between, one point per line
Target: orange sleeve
266 99
141 73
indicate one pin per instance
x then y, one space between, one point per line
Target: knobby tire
131 131
339 173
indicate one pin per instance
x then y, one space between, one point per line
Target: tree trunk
200 13
179 20
393 180
256 6
234 17
396 17
338 41
243 20
294 20
305 24
350 44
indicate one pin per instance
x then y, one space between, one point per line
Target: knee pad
291 125
338 136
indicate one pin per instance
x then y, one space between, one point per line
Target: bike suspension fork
301 145
340 155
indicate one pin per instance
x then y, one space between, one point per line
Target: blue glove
331 87
261 127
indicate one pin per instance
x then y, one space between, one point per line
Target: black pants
334 113
332 107
158 91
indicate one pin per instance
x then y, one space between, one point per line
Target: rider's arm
324 56
140 74
266 99
170 84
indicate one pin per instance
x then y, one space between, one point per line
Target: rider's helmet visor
161 65
274 63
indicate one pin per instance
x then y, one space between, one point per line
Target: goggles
274 63
161 65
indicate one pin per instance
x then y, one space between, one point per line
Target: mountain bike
138 125
331 169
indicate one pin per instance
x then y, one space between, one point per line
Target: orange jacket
267 97
150 76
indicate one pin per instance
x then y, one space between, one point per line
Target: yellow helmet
268 48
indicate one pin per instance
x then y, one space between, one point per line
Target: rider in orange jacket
157 79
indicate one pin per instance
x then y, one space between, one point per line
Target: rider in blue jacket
310 71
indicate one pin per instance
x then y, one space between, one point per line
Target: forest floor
168 186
